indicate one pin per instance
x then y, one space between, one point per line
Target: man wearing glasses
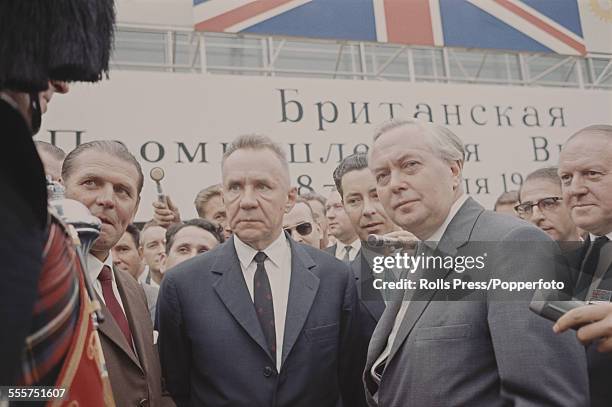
299 223
540 203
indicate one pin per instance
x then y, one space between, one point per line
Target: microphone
86 226
553 310
157 174
385 241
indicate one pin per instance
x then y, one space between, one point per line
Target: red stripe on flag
543 25
409 22
238 15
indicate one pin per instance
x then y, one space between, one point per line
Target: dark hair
211 227
134 232
353 162
53 150
510 197
114 148
204 196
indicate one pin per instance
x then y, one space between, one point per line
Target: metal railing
172 49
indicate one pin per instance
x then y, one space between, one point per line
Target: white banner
596 21
180 122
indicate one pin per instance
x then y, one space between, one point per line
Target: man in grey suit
260 320
426 351
347 244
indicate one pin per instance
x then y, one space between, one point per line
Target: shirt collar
593 237
437 235
355 244
276 251
94 266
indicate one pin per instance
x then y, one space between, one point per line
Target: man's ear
456 170
140 252
162 262
291 197
135 209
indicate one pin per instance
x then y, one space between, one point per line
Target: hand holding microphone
164 211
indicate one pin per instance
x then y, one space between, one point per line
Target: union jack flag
524 25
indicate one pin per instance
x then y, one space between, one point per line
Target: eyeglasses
525 209
304 229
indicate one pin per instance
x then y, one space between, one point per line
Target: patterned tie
347 257
262 298
106 280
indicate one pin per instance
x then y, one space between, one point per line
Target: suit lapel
370 297
111 330
234 293
138 317
456 235
302 291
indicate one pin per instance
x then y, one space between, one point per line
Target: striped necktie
106 281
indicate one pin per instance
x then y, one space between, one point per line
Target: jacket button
143 403
268 371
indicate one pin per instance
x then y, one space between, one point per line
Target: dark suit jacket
486 350
331 250
23 216
600 364
371 307
213 351
135 378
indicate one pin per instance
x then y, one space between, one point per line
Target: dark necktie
106 281
592 258
347 250
262 298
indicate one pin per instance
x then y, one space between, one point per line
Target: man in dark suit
107 179
357 188
485 350
347 244
260 320
585 169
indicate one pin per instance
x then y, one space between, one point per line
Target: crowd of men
268 298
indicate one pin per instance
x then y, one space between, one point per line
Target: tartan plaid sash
55 312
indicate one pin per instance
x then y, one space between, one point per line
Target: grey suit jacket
212 348
480 352
135 376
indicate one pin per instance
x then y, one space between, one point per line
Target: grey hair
354 162
601 129
53 150
546 173
111 147
442 141
257 142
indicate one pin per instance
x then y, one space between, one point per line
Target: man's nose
248 199
106 196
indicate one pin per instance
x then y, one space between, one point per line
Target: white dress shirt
433 239
146 278
356 245
278 268
94 268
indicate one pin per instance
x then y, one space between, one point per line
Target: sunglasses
525 209
304 229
